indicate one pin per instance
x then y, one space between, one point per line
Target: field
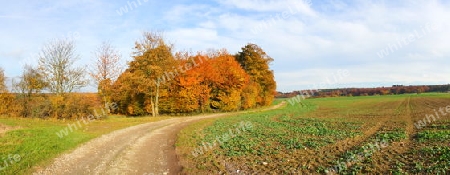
344 135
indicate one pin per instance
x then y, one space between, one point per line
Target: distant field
36 141
376 134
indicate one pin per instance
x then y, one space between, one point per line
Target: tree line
157 80
394 90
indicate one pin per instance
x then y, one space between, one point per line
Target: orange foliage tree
227 80
189 92
256 62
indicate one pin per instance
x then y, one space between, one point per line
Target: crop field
395 134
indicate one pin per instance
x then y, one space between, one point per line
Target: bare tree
56 63
107 65
106 69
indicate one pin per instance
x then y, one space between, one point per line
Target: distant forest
394 90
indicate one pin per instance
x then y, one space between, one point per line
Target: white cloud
191 38
270 5
180 12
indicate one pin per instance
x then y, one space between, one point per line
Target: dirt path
143 149
5 128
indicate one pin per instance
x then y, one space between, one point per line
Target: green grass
36 142
278 101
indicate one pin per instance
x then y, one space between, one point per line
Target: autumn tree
256 62
191 91
250 95
212 81
56 63
125 94
152 70
227 81
106 69
31 82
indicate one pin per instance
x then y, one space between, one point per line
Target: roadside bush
7 101
41 108
71 106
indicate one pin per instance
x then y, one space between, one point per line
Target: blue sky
377 43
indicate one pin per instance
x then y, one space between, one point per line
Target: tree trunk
153 107
157 100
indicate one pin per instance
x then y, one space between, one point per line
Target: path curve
143 149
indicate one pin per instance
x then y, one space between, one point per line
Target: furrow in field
387 159
399 157
393 116
373 124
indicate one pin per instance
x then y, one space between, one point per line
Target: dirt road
143 149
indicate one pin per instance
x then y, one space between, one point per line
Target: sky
315 44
